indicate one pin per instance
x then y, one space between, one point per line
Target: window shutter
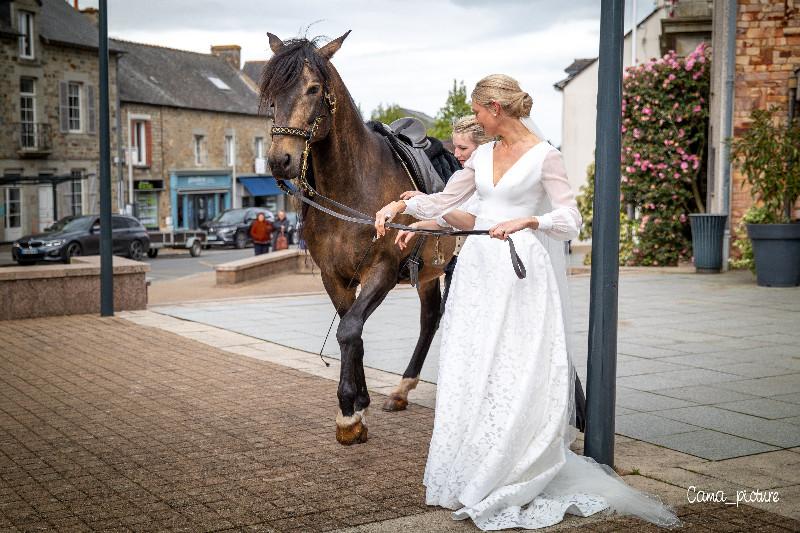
91 108
148 135
63 114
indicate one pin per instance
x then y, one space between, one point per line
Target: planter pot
776 249
707 233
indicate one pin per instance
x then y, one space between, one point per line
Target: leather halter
308 135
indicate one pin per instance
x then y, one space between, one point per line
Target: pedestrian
280 228
261 233
500 448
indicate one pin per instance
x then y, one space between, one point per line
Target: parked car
295 225
80 235
231 227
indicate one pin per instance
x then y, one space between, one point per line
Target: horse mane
284 68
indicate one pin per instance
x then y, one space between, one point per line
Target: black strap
361 218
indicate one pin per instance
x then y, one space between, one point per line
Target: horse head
296 85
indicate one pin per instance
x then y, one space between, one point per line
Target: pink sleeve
564 221
459 188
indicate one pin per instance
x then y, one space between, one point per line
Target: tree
454 108
387 114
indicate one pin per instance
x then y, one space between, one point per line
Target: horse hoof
395 402
353 434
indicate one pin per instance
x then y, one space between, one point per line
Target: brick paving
107 425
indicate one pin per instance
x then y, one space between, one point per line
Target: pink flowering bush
664 125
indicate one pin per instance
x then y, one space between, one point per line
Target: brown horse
355 167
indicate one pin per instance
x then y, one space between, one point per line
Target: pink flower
647 111
636 133
696 109
683 218
684 166
681 133
677 176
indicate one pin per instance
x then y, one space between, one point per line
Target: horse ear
275 43
332 47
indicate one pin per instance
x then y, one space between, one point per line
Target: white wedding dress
500 453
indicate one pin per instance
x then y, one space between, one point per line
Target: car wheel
136 250
152 253
240 240
196 249
73 249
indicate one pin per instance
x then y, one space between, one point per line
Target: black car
80 235
231 227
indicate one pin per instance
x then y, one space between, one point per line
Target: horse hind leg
430 312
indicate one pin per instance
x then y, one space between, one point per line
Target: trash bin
707 235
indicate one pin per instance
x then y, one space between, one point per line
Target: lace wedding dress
500 453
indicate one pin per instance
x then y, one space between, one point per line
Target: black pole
602 364
106 261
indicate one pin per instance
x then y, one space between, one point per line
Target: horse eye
314 89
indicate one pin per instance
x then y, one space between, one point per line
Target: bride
499 453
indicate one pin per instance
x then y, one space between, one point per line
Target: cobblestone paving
106 425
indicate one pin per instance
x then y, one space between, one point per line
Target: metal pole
634 16
602 364
106 261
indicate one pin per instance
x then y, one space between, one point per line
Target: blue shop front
197 197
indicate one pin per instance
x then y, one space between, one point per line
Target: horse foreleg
351 427
430 312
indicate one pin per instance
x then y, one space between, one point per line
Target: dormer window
26 34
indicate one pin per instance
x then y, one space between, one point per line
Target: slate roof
60 23
253 69
156 75
573 70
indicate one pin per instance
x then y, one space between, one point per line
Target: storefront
197 197
262 191
146 196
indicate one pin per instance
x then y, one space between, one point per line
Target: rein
307 191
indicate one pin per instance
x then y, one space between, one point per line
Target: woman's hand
410 194
504 229
387 213
404 236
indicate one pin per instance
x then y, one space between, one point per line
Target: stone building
756 66
196 143
49 149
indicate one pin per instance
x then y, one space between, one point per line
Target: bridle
308 135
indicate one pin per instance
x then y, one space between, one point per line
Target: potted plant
768 154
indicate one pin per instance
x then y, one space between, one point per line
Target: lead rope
339 307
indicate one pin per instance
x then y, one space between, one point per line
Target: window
76 193
13 208
259 147
26 34
139 142
74 106
218 83
198 149
27 112
230 151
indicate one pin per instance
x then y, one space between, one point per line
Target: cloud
399 52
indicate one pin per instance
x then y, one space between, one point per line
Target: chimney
230 53
92 14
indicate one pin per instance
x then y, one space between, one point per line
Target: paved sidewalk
154 423
708 365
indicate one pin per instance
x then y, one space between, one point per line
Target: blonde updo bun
506 91
468 125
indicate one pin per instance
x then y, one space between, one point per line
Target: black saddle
424 157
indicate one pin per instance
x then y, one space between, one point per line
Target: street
172 265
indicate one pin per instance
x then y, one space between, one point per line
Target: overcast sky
402 51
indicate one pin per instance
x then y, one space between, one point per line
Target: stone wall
172 142
767 55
